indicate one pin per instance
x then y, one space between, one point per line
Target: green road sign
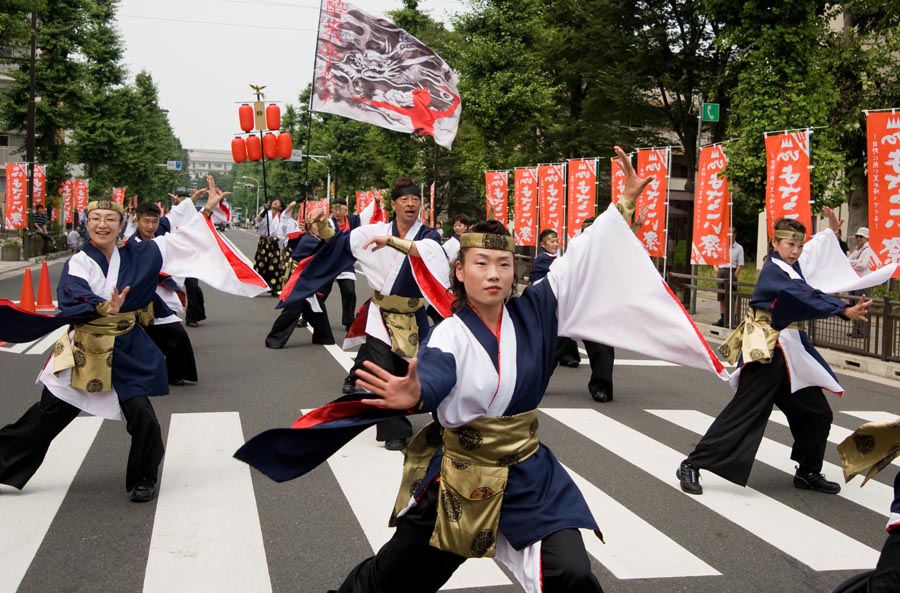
710 112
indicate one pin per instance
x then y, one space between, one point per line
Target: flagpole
312 91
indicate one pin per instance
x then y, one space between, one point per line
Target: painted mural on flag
787 179
883 143
654 226
712 210
551 186
16 194
525 206
370 70
496 202
582 189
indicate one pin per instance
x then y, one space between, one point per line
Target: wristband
401 245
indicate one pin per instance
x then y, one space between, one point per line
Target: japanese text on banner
617 175
883 141
497 195
39 186
66 192
654 226
525 206
712 212
787 179
16 190
551 186
582 189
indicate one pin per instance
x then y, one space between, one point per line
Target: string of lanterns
272 145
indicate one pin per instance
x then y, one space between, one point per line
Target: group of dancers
477 480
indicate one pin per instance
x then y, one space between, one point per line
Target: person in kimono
268 260
778 364
482 374
346 280
413 273
166 330
106 364
567 354
461 224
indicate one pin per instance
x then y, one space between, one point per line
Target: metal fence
879 338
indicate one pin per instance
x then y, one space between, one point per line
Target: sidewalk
8 268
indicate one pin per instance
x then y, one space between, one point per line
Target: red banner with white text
497 195
39 186
787 179
617 175
883 143
81 194
118 195
525 206
582 193
712 212
654 226
67 199
551 185
16 194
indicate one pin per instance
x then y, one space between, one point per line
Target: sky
204 54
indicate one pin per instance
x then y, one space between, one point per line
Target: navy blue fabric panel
405 285
160 308
139 368
332 257
791 300
895 506
437 375
18 326
485 336
534 319
540 266
306 245
165 226
72 291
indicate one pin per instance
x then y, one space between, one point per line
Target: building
207 162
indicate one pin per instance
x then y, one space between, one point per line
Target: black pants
567 351
886 577
380 354
286 322
173 340
195 310
602 358
407 564
24 444
348 301
729 446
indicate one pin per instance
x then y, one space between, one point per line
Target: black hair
546 233
787 224
462 218
147 209
339 202
457 288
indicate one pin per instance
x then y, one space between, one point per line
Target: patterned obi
399 315
754 338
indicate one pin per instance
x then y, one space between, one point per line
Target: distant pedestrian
727 275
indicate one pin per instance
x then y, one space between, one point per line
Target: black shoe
720 322
350 387
302 323
690 478
178 383
601 396
192 324
144 491
395 444
572 363
815 481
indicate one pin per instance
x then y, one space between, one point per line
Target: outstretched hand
634 185
834 223
396 393
859 311
117 300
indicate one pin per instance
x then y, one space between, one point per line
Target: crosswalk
207 535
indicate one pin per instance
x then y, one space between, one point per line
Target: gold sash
870 449
399 314
90 353
474 472
754 338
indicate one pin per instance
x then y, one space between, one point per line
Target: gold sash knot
474 472
754 338
90 352
399 315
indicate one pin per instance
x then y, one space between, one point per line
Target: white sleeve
827 268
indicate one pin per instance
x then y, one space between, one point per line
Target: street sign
710 112
173 165
296 156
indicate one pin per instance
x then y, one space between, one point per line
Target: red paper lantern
238 150
285 145
254 149
245 112
270 146
273 117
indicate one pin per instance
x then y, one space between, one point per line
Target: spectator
728 277
39 226
859 261
73 241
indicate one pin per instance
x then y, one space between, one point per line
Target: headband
407 190
487 241
794 235
105 205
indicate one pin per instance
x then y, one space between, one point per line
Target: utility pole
29 131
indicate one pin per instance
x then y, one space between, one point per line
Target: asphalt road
218 527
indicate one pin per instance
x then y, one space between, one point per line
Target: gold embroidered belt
754 338
90 352
399 314
474 473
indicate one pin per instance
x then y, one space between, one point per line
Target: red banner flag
431 207
787 179
39 186
81 194
370 70
525 206
362 200
497 195
66 192
654 229
617 175
16 195
712 213
118 195
551 185
883 142
582 190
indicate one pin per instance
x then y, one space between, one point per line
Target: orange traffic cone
26 301
45 295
